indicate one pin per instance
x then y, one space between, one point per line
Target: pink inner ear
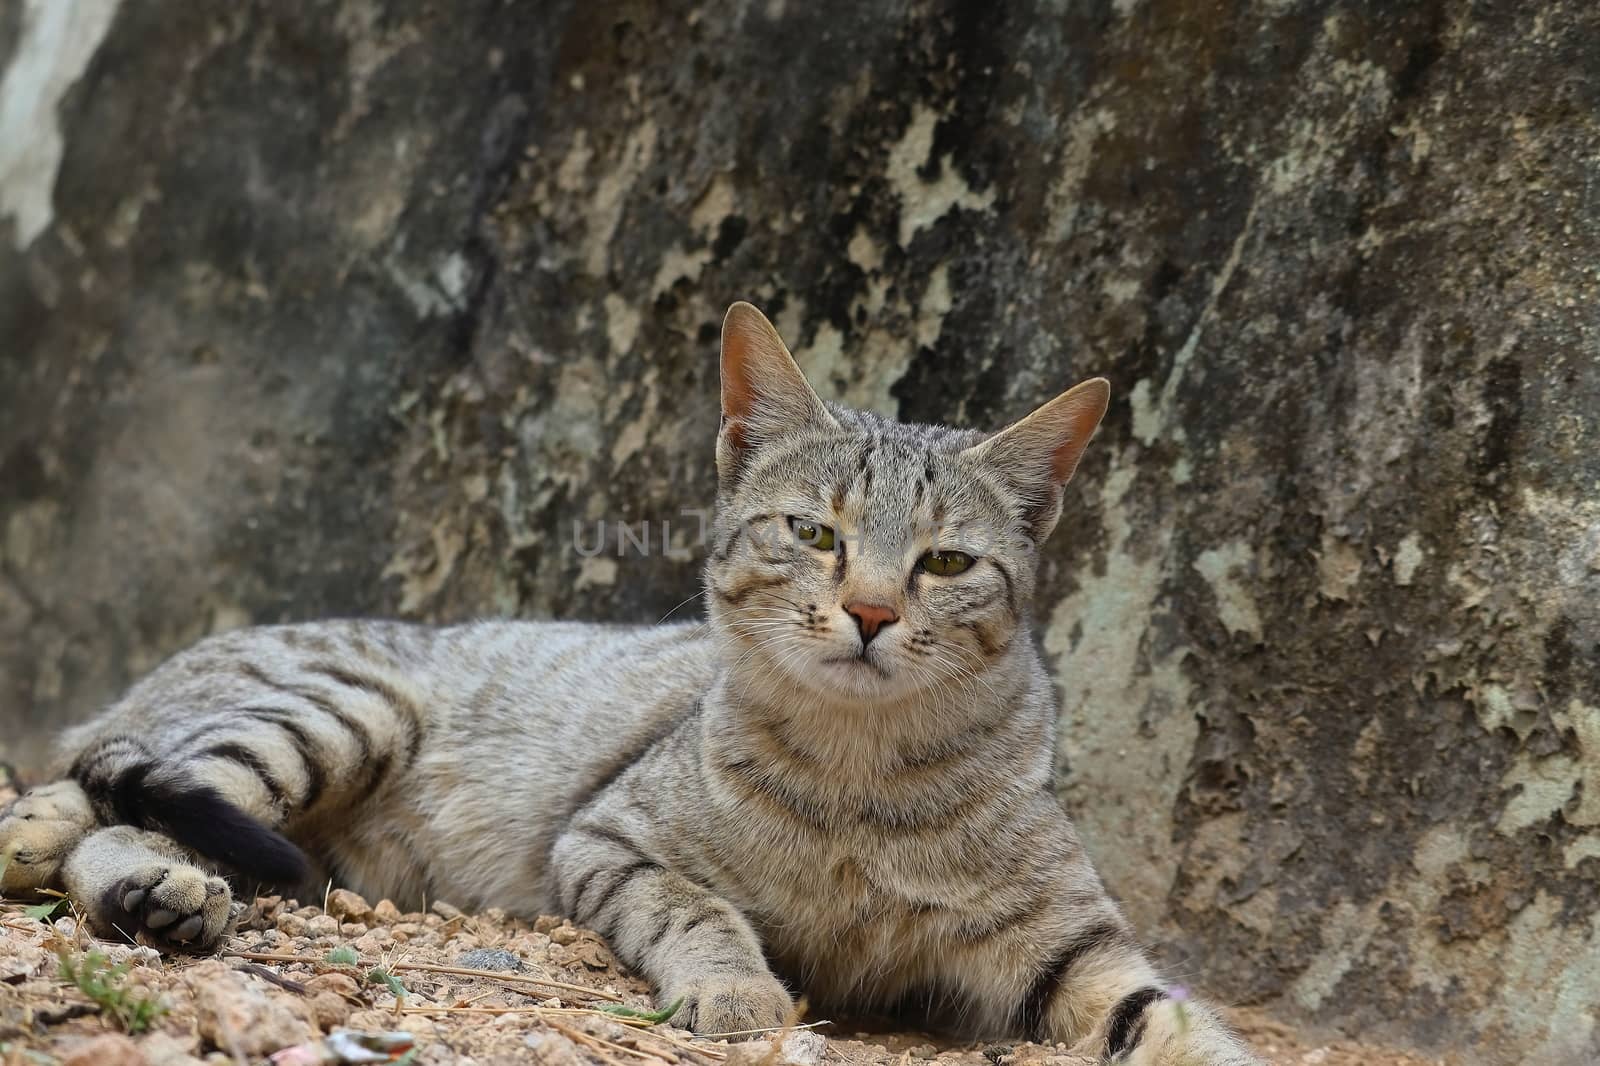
735 383
1064 461
1082 408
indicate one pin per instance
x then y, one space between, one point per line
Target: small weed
343 955
104 983
654 1017
381 976
43 912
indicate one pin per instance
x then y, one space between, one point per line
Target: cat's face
868 560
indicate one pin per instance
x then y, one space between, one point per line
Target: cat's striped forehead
889 482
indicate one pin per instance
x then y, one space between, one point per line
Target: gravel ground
469 989
479 989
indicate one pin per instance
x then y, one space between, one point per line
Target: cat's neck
864 738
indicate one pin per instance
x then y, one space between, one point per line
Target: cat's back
569 678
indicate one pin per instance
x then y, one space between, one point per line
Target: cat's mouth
860 661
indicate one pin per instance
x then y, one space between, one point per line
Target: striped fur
765 803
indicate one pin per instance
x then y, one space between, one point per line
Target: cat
843 777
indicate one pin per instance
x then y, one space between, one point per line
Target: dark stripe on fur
1011 585
755 781
956 748
626 874
924 813
986 643
1121 1033
865 476
663 923
706 913
619 765
304 745
1036 1004
611 836
234 752
736 596
974 931
321 702
90 758
407 711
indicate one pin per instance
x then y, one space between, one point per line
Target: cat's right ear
764 395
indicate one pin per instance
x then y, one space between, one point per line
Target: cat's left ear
1038 455
764 395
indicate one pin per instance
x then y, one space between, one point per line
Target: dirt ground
465 990
468 989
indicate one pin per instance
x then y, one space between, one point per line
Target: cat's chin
853 677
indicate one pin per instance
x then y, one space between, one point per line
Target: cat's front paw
731 1004
175 906
1175 1032
37 832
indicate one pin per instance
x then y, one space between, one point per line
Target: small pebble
323 925
497 959
329 1010
112 1049
234 1014
348 906
338 983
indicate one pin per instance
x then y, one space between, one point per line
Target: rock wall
360 307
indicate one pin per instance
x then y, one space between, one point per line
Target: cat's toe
734 1004
171 907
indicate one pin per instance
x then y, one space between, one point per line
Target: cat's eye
945 563
812 534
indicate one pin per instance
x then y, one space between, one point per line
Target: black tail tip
198 817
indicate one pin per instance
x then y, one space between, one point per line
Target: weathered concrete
352 307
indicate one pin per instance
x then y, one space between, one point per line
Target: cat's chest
855 880
882 918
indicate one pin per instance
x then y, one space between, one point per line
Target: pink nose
870 617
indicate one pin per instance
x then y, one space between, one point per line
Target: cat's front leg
688 942
1170 1030
140 884
1046 954
1095 991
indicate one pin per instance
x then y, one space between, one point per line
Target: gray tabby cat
843 778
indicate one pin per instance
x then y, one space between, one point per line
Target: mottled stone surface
356 307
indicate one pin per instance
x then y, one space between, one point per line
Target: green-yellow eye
945 564
812 534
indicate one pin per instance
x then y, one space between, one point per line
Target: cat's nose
870 617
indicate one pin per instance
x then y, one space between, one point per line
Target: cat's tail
127 785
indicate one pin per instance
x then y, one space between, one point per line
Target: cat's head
866 559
